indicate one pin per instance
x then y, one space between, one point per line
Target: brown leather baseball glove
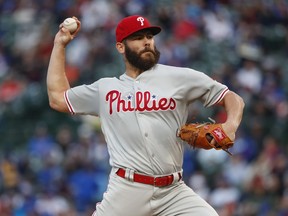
200 136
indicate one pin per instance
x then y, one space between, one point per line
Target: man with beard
140 113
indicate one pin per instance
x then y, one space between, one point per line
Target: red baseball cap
132 24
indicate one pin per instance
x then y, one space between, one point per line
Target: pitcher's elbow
238 99
58 106
53 105
242 102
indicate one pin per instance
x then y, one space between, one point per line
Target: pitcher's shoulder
108 79
174 69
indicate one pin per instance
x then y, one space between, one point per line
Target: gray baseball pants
126 198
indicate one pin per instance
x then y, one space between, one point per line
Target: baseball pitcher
141 112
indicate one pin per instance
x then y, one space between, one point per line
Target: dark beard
136 61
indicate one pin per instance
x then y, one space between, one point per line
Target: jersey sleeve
216 94
203 87
83 99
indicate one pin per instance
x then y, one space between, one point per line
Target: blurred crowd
57 165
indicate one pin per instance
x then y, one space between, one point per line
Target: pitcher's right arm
57 82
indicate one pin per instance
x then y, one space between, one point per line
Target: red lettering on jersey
144 101
111 97
138 100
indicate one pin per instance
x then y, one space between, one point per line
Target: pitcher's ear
120 47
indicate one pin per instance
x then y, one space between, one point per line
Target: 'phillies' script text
144 101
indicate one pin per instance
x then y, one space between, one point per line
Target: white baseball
70 24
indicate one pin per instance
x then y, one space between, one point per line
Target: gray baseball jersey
140 117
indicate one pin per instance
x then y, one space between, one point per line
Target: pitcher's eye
149 36
137 37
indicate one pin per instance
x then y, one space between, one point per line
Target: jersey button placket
137 87
140 115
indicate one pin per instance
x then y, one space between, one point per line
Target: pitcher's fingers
78 26
213 142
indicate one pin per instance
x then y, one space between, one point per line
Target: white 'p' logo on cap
141 19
